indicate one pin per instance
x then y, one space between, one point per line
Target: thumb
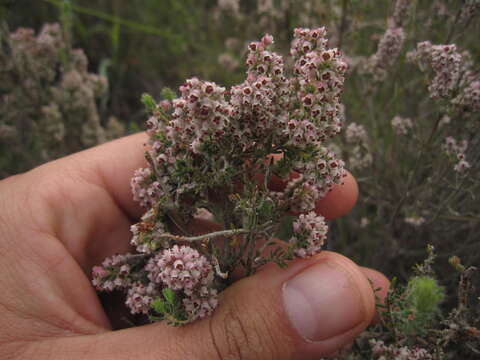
311 309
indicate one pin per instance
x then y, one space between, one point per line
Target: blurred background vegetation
140 45
144 45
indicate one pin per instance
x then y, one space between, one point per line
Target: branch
343 24
205 236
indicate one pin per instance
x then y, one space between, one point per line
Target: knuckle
245 334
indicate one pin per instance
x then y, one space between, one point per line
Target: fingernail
322 302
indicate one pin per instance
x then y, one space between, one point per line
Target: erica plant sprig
211 149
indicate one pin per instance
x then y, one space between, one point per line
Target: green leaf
285 230
310 88
266 208
159 306
149 102
169 295
168 94
105 64
424 294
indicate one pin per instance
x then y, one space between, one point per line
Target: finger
113 165
380 285
306 311
340 201
83 199
336 203
109 166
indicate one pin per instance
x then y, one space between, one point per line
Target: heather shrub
414 146
210 150
413 326
49 101
422 297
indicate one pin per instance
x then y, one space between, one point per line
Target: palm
66 226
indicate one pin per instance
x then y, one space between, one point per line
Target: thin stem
343 24
454 26
460 218
211 235
251 241
113 19
449 198
268 242
406 194
413 172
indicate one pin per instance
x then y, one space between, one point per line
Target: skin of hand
62 218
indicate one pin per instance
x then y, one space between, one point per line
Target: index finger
115 162
337 203
111 165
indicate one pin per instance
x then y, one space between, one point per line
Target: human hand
60 219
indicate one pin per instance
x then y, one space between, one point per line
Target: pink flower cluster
454 147
180 268
261 102
140 297
469 10
469 98
201 304
445 62
302 111
200 114
457 151
113 274
232 6
44 48
390 44
359 157
317 179
179 130
382 351
47 84
355 133
146 188
310 233
299 195
389 49
319 83
401 125
147 234
324 172
184 269
453 78
401 12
